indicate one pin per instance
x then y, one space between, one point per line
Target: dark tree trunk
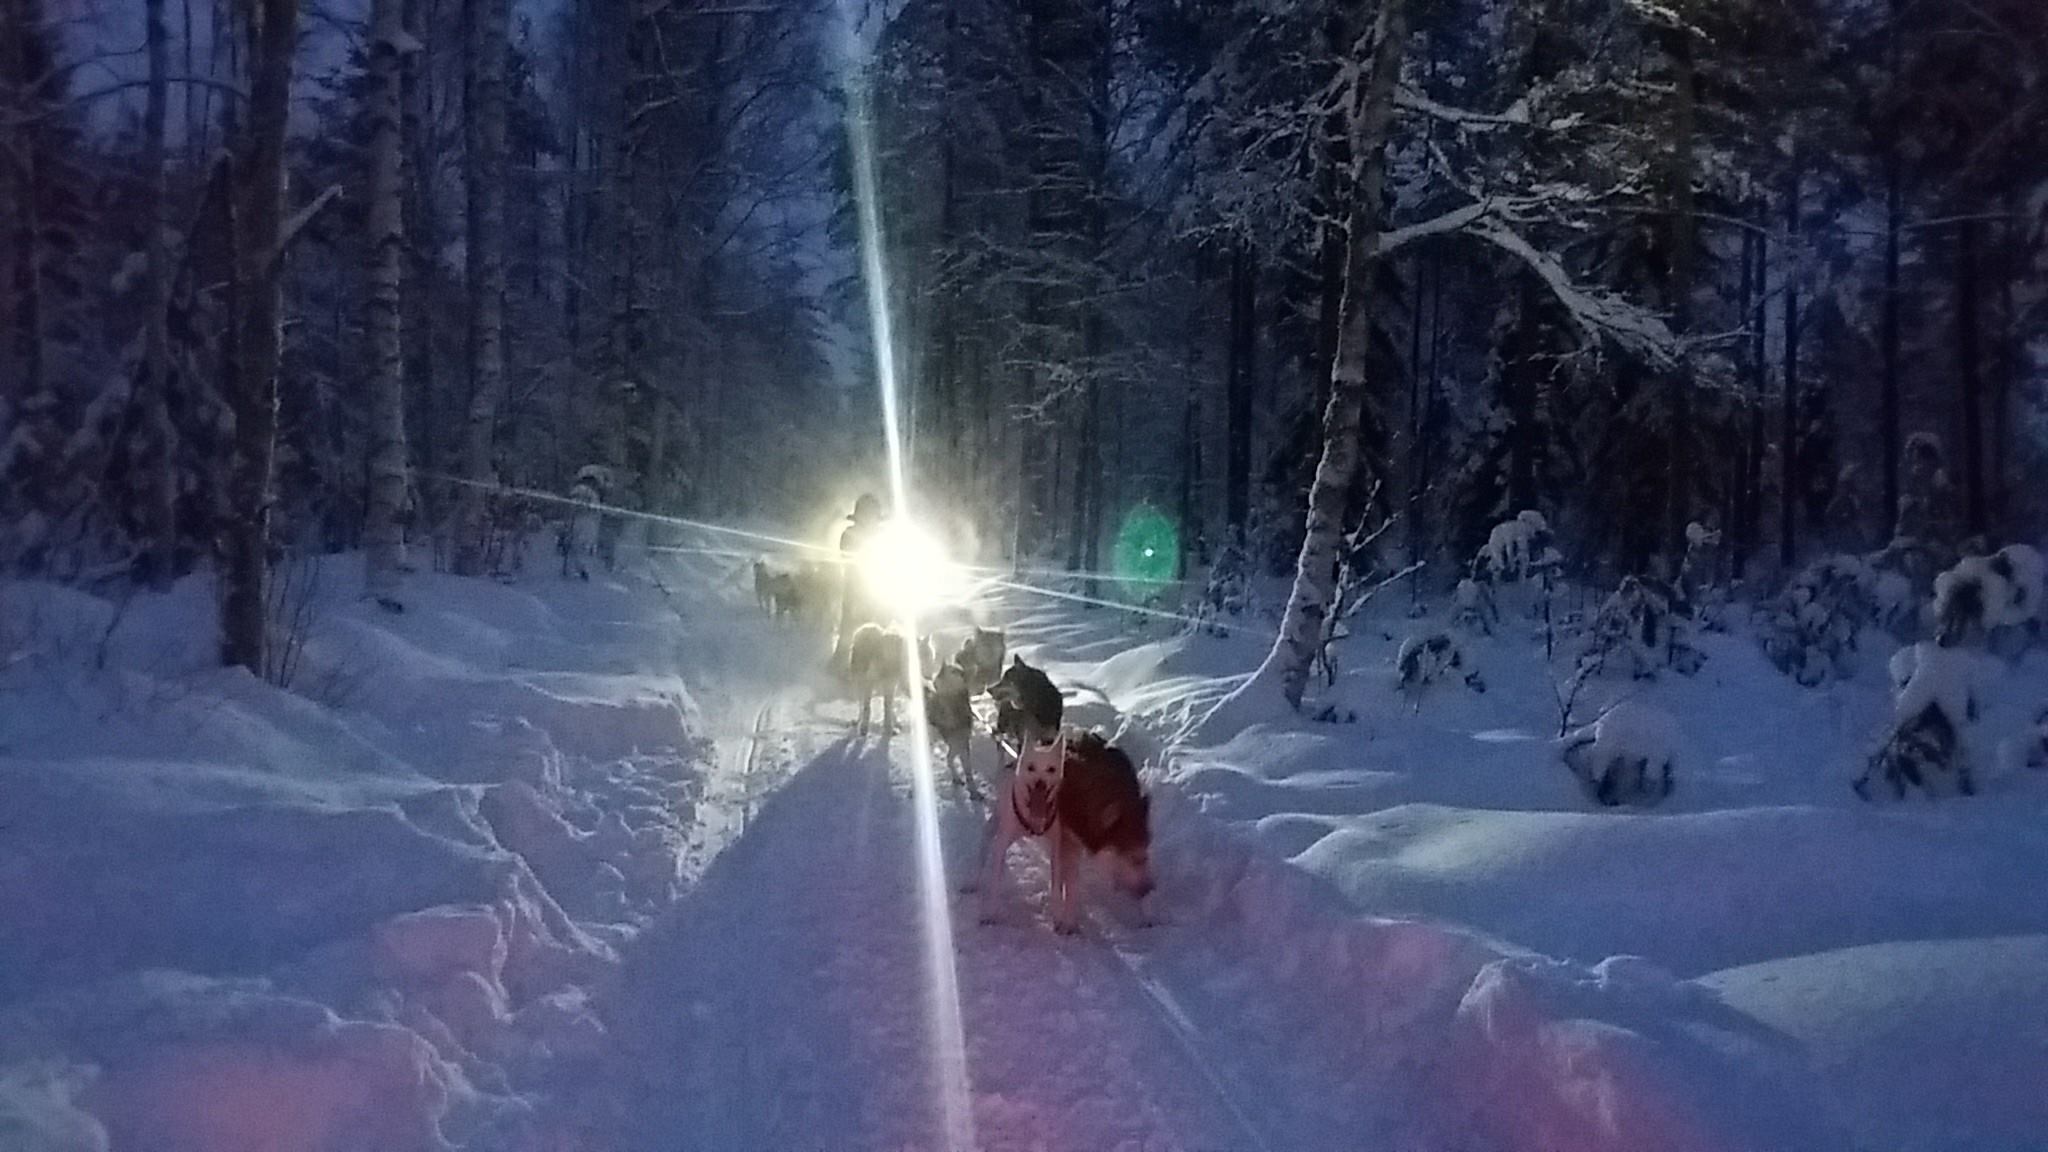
1889 432
384 528
484 185
1678 497
1790 474
257 229
1755 300
1240 373
1970 378
159 489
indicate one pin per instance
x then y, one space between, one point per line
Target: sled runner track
751 1073
1188 1038
749 759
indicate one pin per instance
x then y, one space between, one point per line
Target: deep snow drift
366 912
1884 947
558 865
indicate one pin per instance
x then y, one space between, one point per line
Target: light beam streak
948 1034
633 513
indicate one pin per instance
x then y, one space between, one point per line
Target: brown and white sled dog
949 711
1081 796
876 665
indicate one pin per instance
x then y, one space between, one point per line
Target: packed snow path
783 1004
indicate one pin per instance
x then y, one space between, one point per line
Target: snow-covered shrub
1626 756
1643 627
1516 550
1425 660
1699 576
1228 590
1473 608
2032 746
39 1111
1927 496
1990 595
1935 686
1810 630
1914 562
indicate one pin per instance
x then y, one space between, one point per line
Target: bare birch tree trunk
256 230
384 539
1370 116
484 180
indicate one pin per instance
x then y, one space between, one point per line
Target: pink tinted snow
357 1085
1526 1054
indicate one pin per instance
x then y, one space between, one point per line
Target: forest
288 277
1487 556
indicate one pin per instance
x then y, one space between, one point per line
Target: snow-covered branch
298 220
1516 114
1457 219
1596 313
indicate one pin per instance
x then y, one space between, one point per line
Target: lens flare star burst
948 1038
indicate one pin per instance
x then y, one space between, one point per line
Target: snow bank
1456 824
367 912
1472 1038
1923 1045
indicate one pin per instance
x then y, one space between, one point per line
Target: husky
876 667
949 711
981 658
1029 708
785 597
1079 794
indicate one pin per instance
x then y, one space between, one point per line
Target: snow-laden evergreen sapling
1518 551
1810 630
1473 608
2033 745
1936 691
1228 590
1645 628
1927 496
1699 577
2017 615
1430 659
1626 756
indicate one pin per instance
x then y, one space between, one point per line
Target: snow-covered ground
1894 951
600 867
370 911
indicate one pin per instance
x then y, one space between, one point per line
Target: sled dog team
1074 791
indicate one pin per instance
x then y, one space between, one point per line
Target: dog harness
1059 747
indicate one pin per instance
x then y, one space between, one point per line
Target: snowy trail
784 1003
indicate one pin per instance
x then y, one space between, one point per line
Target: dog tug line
988 575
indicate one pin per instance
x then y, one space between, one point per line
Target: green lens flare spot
1147 552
